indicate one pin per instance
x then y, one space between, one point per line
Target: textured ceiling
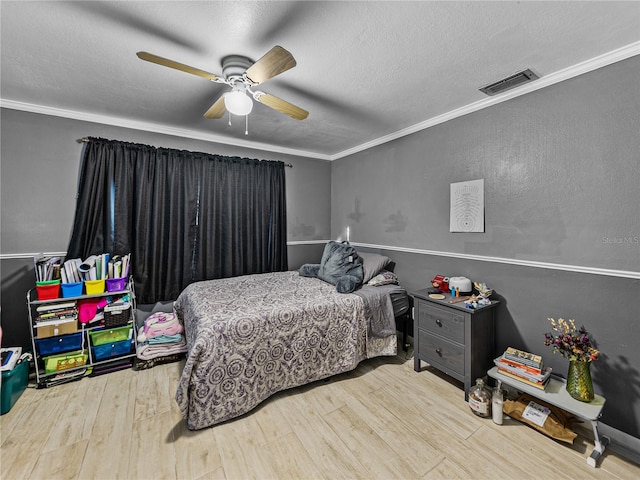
366 70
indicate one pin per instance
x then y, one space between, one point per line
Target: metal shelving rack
93 366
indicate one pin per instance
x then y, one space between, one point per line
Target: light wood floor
381 421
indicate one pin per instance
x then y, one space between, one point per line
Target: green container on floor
14 382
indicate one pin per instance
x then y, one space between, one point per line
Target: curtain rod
86 139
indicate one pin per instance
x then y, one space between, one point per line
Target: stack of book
523 366
47 268
57 312
94 267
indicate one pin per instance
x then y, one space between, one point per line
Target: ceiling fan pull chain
229 124
246 125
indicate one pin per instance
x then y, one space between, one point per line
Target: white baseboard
621 443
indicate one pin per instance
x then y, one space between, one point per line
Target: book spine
523 357
540 386
521 373
517 364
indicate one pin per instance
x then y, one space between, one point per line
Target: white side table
556 394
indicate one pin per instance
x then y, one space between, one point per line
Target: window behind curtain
184 216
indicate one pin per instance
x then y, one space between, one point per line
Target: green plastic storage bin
14 382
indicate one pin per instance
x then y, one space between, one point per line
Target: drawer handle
438 322
439 352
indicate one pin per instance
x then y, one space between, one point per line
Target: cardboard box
55 329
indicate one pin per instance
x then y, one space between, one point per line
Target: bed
251 336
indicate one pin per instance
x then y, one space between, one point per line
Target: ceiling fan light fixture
238 103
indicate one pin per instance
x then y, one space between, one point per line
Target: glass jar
480 399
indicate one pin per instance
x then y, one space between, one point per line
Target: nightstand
456 340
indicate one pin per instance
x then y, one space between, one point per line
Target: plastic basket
94 286
110 335
109 350
14 382
62 343
48 290
71 289
57 363
116 284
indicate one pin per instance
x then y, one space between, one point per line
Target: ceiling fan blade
217 109
272 63
149 57
287 108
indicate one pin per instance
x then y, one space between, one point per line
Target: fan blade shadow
352 112
112 12
289 18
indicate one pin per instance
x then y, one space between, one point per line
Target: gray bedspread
249 337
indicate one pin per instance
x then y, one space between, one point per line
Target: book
47 268
517 364
60 315
540 386
55 307
55 321
521 356
521 373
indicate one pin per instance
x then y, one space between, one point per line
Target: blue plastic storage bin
72 289
14 382
110 350
63 343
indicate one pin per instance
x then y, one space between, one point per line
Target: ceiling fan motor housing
234 66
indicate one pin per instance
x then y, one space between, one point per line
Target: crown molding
565 74
545 81
154 128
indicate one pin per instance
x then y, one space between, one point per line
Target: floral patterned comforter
249 337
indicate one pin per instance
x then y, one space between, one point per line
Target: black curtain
183 216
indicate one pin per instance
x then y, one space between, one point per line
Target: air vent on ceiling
511 81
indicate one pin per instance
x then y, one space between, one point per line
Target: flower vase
579 384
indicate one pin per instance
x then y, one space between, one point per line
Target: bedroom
561 185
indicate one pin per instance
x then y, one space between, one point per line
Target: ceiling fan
242 75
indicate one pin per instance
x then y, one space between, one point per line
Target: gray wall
40 160
562 186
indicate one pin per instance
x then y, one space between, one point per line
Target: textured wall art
467 206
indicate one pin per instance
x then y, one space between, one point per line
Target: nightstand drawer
436 350
442 321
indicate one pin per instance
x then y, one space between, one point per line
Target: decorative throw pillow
384 278
340 266
372 264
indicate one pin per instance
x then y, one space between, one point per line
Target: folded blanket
177 338
160 323
147 351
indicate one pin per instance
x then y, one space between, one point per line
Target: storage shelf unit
556 394
94 348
